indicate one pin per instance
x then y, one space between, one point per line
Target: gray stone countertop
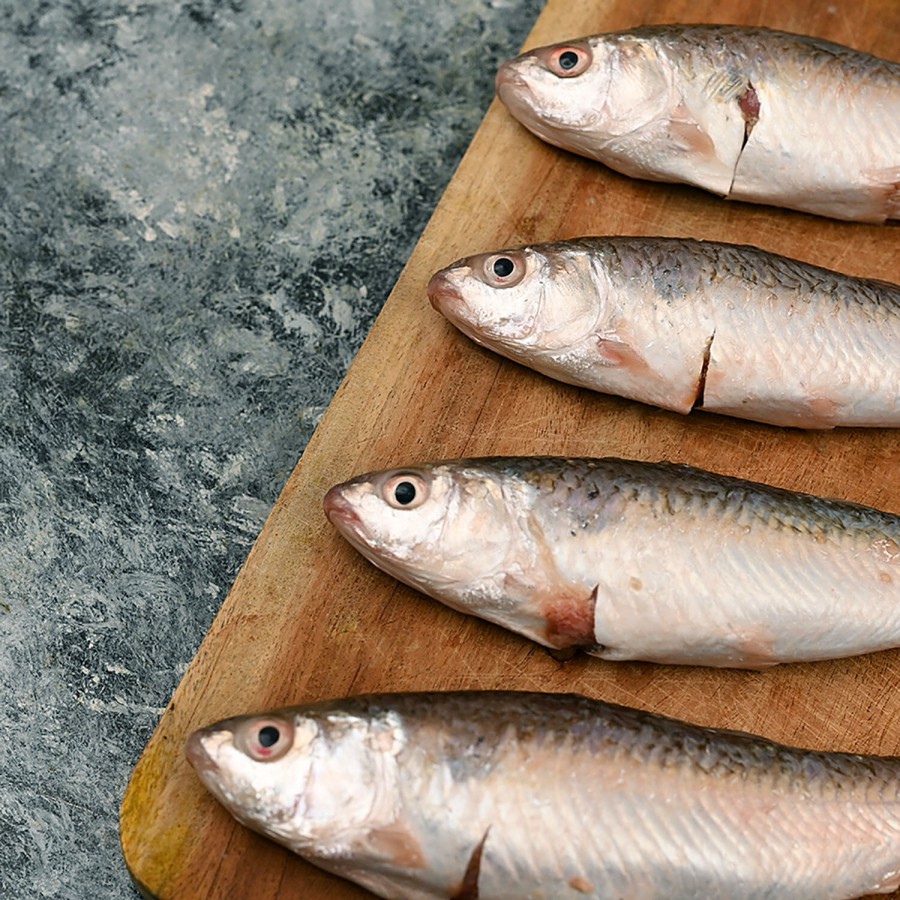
203 206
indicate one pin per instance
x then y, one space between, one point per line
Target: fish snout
509 79
513 88
444 295
196 754
340 511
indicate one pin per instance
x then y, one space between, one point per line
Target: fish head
581 95
532 299
443 528
308 780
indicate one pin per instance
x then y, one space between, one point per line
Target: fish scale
671 486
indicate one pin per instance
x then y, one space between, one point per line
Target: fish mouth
509 81
196 754
515 92
445 296
340 511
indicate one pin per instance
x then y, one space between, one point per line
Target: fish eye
504 269
269 736
405 491
264 739
569 61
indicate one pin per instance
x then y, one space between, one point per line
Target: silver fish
748 113
494 796
686 324
633 560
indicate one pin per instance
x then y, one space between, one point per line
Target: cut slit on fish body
749 105
704 371
468 887
737 88
748 102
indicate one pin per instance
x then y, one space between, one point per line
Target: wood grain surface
308 618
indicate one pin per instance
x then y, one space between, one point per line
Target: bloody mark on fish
891 203
704 371
823 411
468 887
749 104
582 885
570 620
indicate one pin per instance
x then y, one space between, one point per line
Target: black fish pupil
405 493
568 60
503 267
268 736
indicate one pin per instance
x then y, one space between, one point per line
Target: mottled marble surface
203 206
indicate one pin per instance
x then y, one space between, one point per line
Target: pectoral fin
622 355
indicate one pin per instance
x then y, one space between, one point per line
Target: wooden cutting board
308 618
